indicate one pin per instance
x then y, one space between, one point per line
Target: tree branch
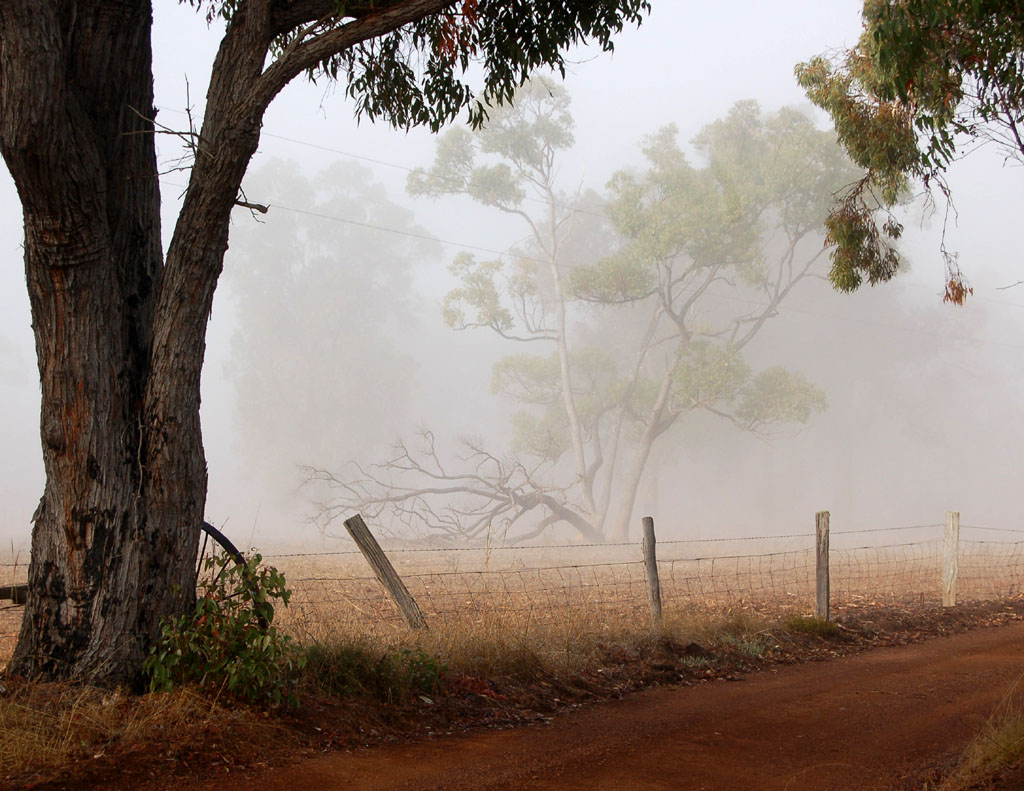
308 54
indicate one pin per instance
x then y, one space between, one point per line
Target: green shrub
229 643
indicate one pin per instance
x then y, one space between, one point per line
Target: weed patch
817 627
753 647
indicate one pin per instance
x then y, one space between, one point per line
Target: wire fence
336 592
551 584
12 573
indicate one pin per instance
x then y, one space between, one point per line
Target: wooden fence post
18 594
651 565
385 571
821 608
950 556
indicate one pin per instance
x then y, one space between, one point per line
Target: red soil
872 720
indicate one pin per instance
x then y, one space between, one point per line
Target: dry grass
52 729
522 614
996 748
556 612
539 589
47 727
494 646
526 602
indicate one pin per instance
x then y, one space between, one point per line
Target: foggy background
326 341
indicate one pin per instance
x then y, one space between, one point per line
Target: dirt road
860 722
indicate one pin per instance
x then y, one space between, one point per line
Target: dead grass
996 749
510 645
494 668
533 626
49 727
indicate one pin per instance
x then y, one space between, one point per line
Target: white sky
686 65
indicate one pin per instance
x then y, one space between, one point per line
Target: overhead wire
520 256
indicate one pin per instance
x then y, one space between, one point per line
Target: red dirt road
860 722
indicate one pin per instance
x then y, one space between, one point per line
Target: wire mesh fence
558 583
336 592
990 569
13 573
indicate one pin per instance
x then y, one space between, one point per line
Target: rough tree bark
75 87
120 334
119 330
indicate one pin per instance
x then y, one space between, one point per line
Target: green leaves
861 249
708 374
925 77
479 293
229 642
515 147
716 377
776 395
619 278
416 75
535 380
760 173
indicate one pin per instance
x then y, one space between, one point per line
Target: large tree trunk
120 334
116 531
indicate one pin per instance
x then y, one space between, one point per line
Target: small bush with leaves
229 643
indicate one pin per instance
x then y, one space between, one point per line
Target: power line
408 169
731 297
394 165
386 229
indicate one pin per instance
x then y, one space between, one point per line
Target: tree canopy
927 79
616 302
405 61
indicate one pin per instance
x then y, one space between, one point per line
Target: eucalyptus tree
927 81
119 325
319 361
640 309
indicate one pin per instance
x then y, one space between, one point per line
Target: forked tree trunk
120 334
630 487
655 426
116 531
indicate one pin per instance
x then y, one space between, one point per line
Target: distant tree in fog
631 313
313 385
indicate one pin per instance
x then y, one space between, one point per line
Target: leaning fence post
18 594
651 565
385 571
950 556
821 608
